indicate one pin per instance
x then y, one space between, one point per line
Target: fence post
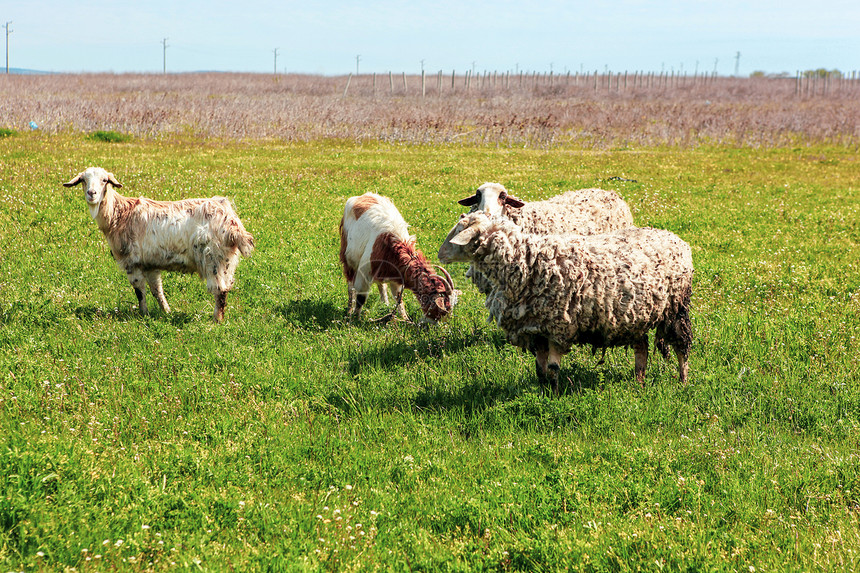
349 79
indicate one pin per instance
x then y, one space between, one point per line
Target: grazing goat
203 236
375 247
583 212
554 291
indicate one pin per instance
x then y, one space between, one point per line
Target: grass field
287 439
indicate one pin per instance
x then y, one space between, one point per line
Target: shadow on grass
401 352
309 313
128 314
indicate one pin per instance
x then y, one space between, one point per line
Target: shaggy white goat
583 212
554 291
375 247
203 236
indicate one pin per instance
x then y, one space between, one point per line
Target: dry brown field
607 110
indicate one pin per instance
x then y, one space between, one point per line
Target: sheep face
95 181
455 247
491 198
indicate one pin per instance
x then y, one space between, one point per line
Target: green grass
110 137
287 439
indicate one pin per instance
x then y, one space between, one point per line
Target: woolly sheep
203 236
583 212
375 247
554 291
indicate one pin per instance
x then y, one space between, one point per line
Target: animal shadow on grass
309 313
391 354
129 313
574 377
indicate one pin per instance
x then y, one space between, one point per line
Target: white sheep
583 212
375 247
203 236
554 291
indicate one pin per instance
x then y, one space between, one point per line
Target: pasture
289 439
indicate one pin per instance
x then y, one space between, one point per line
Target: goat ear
113 181
469 201
464 236
513 201
74 181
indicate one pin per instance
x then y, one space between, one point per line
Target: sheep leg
553 366
157 289
220 305
640 354
682 364
138 283
539 346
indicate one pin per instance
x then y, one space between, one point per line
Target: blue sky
387 35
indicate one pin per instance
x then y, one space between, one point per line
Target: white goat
375 247
203 236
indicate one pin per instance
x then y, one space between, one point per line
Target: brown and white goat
375 247
203 236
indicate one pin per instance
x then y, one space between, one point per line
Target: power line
8 31
164 44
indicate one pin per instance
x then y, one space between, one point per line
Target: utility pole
8 31
275 51
164 44
737 63
357 59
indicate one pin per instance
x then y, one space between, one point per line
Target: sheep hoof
552 375
541 375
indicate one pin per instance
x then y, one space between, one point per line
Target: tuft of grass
6 132
109 137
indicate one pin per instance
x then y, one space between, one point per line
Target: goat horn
448 280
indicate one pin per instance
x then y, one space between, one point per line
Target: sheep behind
582 211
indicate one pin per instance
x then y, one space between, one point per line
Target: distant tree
822 73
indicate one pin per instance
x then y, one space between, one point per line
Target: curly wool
604 290
582 212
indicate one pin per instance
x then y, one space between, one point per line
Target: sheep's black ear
513 201
113 181
74 181
469 201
